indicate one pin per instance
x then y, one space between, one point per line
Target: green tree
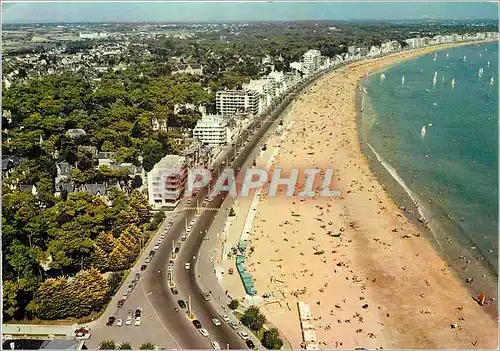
147 346
271 339
107 345
125 346
234 304
253 319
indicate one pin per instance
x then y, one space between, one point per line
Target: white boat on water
423 131
434 80
447 55
480 73
382 77
465 58
435 57
453 83
492 81
403 80
442 79
488 63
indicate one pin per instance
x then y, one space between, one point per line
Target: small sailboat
453 83
382 77
480 55
488 63
442 79
423 131
447 55
403 80
435 57
465 58
434 79
480 73
492 81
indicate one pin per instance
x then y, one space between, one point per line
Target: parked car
187 265
224 317
178 248
243 335
143 267
125 295
181 303
82 336
216 322
137 276
233 325
156 247
250 344
203 332
174 290
120 303
138 312
137 321
148 259
152 253
231 270
215 345
184 237
119 322
111 320
162 236
197 324
129 320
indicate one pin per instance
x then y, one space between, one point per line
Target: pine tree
118 258
99 259
106 241
140 204
53 298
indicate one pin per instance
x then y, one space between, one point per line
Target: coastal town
93 116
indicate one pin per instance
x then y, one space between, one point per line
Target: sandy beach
380 284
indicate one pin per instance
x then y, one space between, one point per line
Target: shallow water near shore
439 141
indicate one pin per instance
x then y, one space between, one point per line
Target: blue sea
449 169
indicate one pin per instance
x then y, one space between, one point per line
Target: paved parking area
151 328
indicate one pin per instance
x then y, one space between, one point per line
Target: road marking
157 316
202 208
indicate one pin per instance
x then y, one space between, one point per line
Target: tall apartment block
167 181
229 102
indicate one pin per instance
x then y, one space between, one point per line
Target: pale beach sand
380 284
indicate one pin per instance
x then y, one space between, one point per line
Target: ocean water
450 168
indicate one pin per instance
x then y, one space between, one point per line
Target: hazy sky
211 11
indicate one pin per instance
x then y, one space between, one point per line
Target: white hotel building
312 61
212 130
167 181
229 102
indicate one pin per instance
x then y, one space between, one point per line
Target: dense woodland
56 248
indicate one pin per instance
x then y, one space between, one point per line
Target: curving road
155 281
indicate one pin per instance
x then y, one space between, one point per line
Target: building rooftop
170 161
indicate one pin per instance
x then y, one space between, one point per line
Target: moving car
119 322
197 324
184 237
206 296
181 303
203 332
187 265
250 344
174 290
243 335
233 325
178 248
215 345
111 320
216 322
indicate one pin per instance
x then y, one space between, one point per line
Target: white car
156 247
224 317
216 322
129 320
137 321
84 336
215 345
119 322
162 236
187 265
203 332
243 335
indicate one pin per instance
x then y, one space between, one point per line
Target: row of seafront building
237 108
